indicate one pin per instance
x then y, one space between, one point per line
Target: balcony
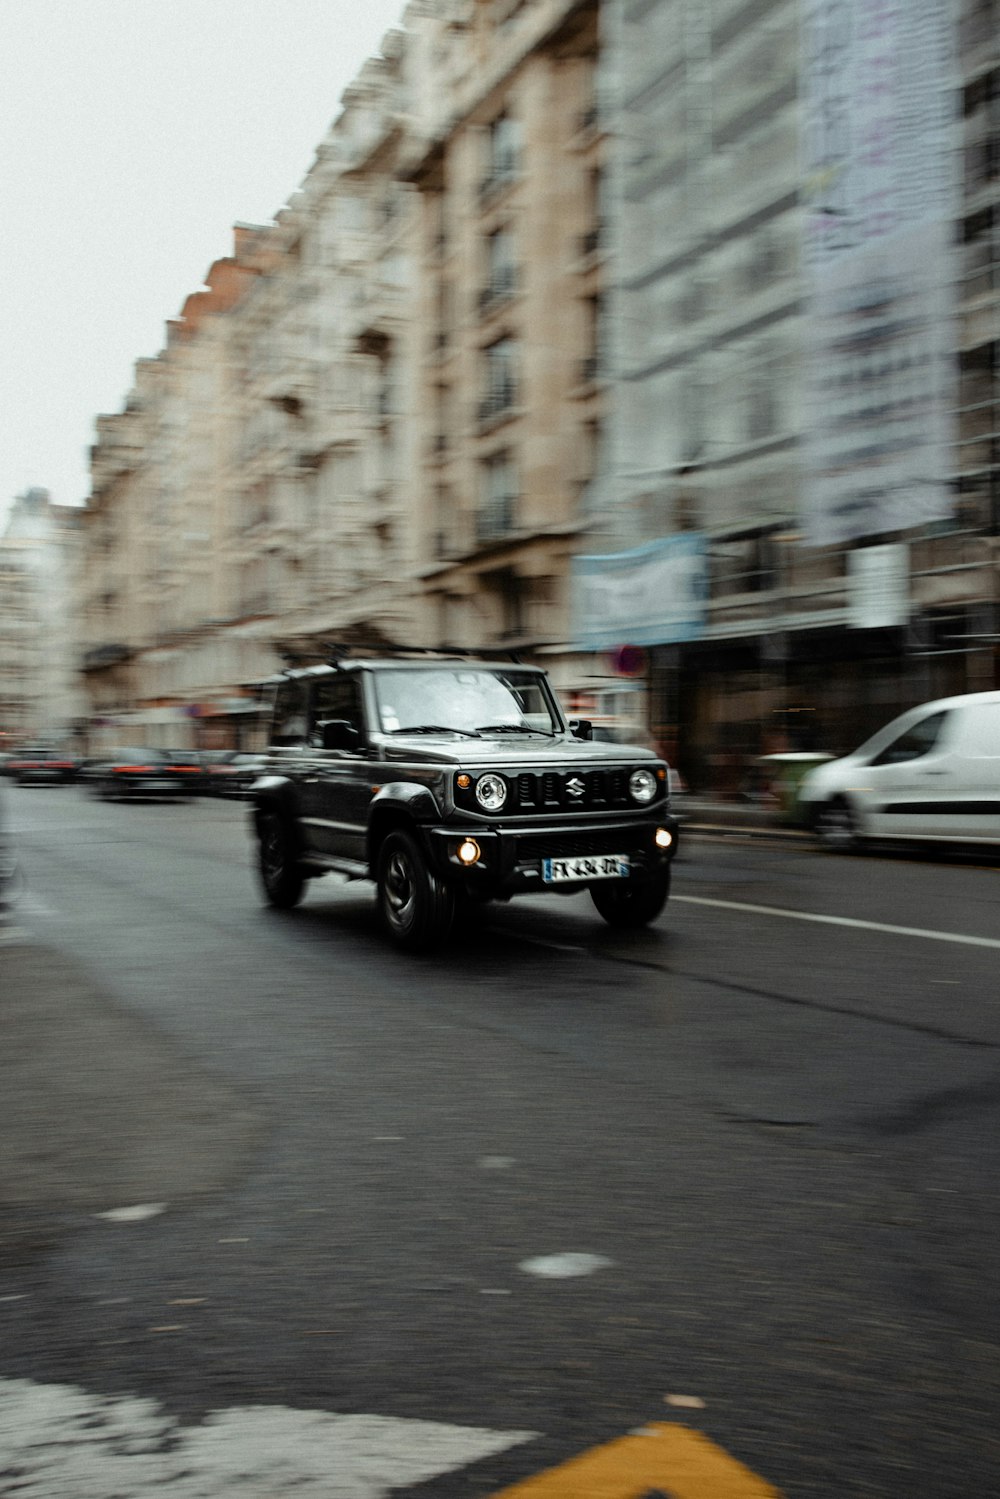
500 176
502 286
99 657
589 369
590 243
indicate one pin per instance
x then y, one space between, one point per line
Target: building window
501 275
761 410
503 153
747 563
499 384
981 253
498 496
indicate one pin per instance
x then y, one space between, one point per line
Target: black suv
451 782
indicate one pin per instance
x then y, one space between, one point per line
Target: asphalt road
772 1118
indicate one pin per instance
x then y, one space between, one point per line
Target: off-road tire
417 908
280 872
633 902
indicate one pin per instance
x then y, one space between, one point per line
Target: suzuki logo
575 788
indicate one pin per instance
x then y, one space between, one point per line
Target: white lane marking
135 1214
67 1440
496 1162
560 1266
33 905
865 926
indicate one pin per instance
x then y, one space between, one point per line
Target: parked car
453 782
931 774
234 773
140 771
41 765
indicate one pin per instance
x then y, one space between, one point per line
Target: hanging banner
651 595
882 192
878 586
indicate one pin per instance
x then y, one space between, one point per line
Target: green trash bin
786 773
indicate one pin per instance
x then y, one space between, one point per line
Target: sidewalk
701 815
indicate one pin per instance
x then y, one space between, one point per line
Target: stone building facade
716 110
527 362
246 505
40 695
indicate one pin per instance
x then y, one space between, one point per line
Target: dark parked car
451 782
142 772
234 773
41 765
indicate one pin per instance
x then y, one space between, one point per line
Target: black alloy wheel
417 908
280 872
632 902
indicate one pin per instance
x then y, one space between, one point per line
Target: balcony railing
590 242
502 284
495 518
497 401
500 175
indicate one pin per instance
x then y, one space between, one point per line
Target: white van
933 773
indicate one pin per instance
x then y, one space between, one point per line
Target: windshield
464 700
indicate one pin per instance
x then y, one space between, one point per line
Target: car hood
828 777
509 750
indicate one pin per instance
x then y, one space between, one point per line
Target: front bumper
511 857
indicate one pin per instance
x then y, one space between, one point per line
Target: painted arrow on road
661 1459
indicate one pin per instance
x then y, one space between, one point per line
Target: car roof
403 663
958 700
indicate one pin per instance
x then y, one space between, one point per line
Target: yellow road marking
666 1459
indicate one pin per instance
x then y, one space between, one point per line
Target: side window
336 700
289 723
914 743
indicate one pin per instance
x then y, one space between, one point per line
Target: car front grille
570 790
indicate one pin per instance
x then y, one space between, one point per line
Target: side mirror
581 728
338 734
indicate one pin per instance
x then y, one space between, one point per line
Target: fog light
663 838
468 852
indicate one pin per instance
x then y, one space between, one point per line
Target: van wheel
280 873
632 903
836 827
417 908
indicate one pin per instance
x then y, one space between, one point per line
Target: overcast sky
133 135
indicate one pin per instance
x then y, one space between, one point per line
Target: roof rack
337 651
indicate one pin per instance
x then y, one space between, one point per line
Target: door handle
933 772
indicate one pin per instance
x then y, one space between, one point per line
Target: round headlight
491 792
642 785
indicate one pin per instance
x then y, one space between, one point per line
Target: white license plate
589 867
157 785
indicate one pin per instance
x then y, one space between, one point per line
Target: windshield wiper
434 728
511 728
